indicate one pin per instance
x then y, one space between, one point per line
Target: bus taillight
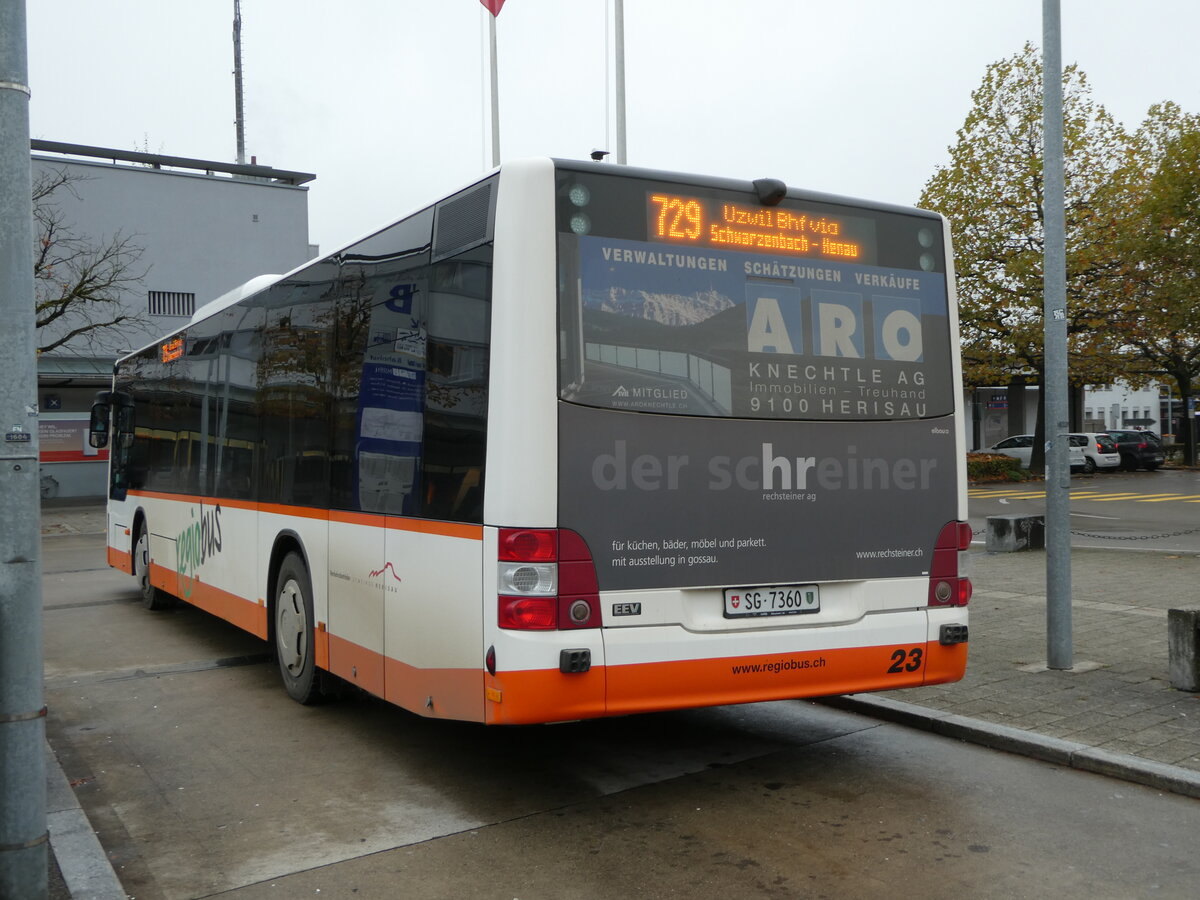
528 544
547 580
947 587
528 613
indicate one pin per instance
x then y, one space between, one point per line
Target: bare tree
79 280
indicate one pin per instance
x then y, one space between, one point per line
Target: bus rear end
725 452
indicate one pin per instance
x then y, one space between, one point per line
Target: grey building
202 228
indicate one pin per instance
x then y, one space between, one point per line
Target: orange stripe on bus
197 499
406 523
431 526
344 517
283 509
374 520
357 664
649 687
443 693
121 561
548 695
321 647
245 614
945 664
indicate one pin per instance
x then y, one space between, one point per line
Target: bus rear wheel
293 627
152 597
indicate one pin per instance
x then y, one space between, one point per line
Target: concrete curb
81 860
1159 776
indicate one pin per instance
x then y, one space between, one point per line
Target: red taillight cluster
946 586
547 580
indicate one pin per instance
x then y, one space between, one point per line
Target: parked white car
1020 447
1099 450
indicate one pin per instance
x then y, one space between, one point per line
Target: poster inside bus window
701 331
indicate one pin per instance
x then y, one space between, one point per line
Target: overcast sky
385 99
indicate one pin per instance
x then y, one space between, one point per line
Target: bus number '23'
906 660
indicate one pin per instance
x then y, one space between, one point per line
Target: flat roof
158 161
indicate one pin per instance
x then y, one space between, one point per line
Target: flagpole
619 65
495 93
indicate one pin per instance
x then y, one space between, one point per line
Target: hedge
995 467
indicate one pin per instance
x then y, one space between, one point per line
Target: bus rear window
700 300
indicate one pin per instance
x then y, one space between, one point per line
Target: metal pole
238 107
1057 425
619 87
495 93
23 837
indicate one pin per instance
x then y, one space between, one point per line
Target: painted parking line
1020 493
1139 497
1093 496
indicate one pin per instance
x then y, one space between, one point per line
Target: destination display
710 222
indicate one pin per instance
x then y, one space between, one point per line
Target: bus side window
456 386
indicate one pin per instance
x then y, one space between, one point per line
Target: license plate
783 600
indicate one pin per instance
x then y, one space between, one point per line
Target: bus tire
152 597
293 628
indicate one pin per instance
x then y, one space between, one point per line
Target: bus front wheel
152 597
294 630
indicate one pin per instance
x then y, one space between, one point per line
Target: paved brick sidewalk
1118 697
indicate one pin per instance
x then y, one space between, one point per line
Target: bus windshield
696 300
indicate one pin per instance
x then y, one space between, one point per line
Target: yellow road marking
1138 497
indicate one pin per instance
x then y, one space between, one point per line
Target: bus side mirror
98 426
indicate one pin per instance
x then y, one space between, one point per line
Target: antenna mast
240 120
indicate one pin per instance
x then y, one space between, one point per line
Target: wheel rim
291 627
141 561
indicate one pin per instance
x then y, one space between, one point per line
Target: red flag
493 6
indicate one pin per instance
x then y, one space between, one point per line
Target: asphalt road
1157 510
204 780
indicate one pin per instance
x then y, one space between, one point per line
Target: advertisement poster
714 332
664 502
66 440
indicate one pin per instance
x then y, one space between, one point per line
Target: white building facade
996 413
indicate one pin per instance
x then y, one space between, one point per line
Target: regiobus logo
199 541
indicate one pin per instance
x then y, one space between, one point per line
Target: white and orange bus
578 440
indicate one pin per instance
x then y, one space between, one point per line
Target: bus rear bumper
644 669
